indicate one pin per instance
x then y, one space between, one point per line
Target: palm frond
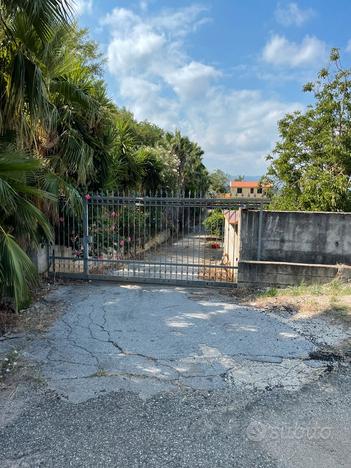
72 92
17 272
43 14
59 186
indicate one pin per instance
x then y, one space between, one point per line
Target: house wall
246 193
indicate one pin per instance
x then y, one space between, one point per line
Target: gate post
85 237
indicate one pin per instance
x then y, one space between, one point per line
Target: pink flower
121 243
113 214
61 219
87 197
129 239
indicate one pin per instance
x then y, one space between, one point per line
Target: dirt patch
36 318
309 306
332 300
18 329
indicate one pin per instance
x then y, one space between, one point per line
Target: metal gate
156 239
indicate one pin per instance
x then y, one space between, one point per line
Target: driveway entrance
149 339
159 239
154 376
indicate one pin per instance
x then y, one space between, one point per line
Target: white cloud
291 14
147 102
280 51
192 79
348 46
136 52
236 128
82 7
153 47
157 80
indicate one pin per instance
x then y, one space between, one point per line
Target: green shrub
214 223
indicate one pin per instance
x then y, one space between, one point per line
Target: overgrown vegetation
334 288
214 223
333 299
311 164
219 182
62 136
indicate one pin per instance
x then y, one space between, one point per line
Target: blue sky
222 71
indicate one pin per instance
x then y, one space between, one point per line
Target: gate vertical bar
85 237
259 237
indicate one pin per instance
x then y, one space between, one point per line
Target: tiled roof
243 183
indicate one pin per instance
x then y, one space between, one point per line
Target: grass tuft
271 292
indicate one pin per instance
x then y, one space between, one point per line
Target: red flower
87 197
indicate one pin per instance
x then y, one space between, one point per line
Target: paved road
134 376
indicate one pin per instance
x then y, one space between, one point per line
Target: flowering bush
8 364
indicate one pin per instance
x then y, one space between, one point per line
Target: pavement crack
79 346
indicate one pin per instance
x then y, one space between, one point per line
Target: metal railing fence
172 239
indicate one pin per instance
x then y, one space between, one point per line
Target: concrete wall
231 243
267 274
40 259
297 237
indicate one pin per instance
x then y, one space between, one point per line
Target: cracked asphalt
150 376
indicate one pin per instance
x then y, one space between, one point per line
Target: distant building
247 189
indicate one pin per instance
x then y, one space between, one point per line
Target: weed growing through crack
100 373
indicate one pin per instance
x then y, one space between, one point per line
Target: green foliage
271 292
188 174
120 231
19 219
335 288
219 182
214 223
311 164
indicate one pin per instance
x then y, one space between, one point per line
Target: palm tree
22 223
192 175
151 169
25 26
126 170
78 147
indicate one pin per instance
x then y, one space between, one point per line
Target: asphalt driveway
141 376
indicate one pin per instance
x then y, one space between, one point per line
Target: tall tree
311 164
191 174
219 182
